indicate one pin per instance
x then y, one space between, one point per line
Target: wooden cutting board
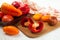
46 29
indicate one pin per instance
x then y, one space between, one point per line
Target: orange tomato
11 30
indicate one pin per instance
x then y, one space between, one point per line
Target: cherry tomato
7 18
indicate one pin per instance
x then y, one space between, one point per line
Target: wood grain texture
46 29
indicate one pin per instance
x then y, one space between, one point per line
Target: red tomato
1 14
7 18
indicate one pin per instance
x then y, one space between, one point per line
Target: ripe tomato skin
7 18
1 14
10 30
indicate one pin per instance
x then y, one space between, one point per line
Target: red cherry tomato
1 14
36 28
7 18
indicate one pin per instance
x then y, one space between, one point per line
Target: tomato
10 30
52 21
7 18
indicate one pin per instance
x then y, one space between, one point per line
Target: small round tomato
7 18
36 27
1 14
10 30
52 21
